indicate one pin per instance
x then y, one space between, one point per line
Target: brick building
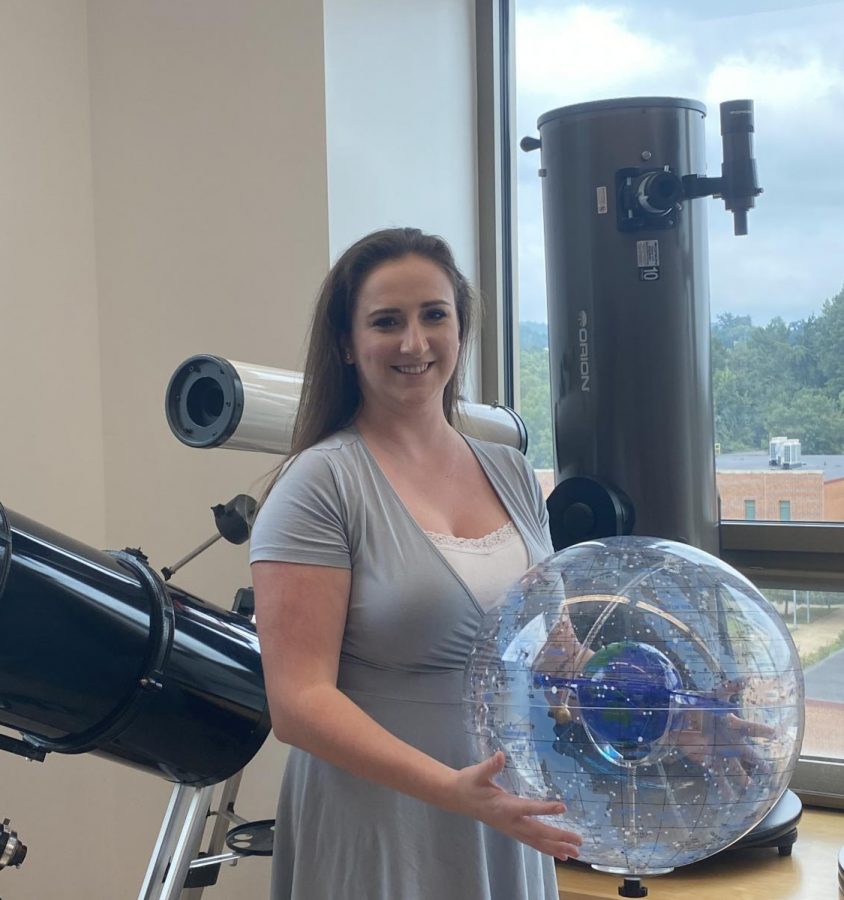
791 495
833 492
750 488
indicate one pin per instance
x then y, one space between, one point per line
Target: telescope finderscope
216 402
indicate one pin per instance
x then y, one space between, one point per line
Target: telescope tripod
178 870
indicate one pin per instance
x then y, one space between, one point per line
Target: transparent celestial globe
650 687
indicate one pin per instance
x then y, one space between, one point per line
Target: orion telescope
628 311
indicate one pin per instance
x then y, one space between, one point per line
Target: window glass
816 622
777 294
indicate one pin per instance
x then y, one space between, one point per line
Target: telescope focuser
652 196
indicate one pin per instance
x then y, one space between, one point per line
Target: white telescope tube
217 402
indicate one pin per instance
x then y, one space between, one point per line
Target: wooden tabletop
810 873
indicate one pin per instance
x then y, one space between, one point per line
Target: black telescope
99 654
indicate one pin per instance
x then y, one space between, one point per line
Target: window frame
799 555
496 158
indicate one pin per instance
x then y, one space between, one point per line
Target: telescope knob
585 508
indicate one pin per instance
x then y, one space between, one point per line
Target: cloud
784 88
584 50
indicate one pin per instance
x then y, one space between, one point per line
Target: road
825 680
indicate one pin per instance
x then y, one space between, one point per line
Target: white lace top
488 565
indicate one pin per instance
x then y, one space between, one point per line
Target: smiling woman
405 338
366 617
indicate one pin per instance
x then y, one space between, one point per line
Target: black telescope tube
99 654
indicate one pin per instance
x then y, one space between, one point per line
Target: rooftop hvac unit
791 455
775 450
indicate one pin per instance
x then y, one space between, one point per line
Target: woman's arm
301 614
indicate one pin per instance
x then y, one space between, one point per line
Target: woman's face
405 334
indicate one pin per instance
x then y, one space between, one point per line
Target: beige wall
51 454
166 196
51 450
163 173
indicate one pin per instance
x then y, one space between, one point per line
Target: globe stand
632 887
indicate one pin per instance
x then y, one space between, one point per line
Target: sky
785 55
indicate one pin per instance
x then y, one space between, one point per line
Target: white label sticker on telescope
647 253
601 193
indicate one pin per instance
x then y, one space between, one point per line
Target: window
777 295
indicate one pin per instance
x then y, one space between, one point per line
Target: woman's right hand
477 795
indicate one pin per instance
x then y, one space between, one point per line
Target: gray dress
410 625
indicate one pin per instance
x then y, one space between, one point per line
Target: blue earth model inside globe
625 697
650 687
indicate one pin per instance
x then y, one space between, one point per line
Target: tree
830 344
730 330
535 406
779 378
812 416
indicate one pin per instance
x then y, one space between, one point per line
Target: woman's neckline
395 494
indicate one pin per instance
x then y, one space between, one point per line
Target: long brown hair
331 395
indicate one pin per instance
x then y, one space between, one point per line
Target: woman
373 556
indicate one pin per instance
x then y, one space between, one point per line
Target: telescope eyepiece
737 117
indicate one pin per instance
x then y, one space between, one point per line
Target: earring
347 357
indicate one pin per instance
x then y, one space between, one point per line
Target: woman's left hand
477 795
